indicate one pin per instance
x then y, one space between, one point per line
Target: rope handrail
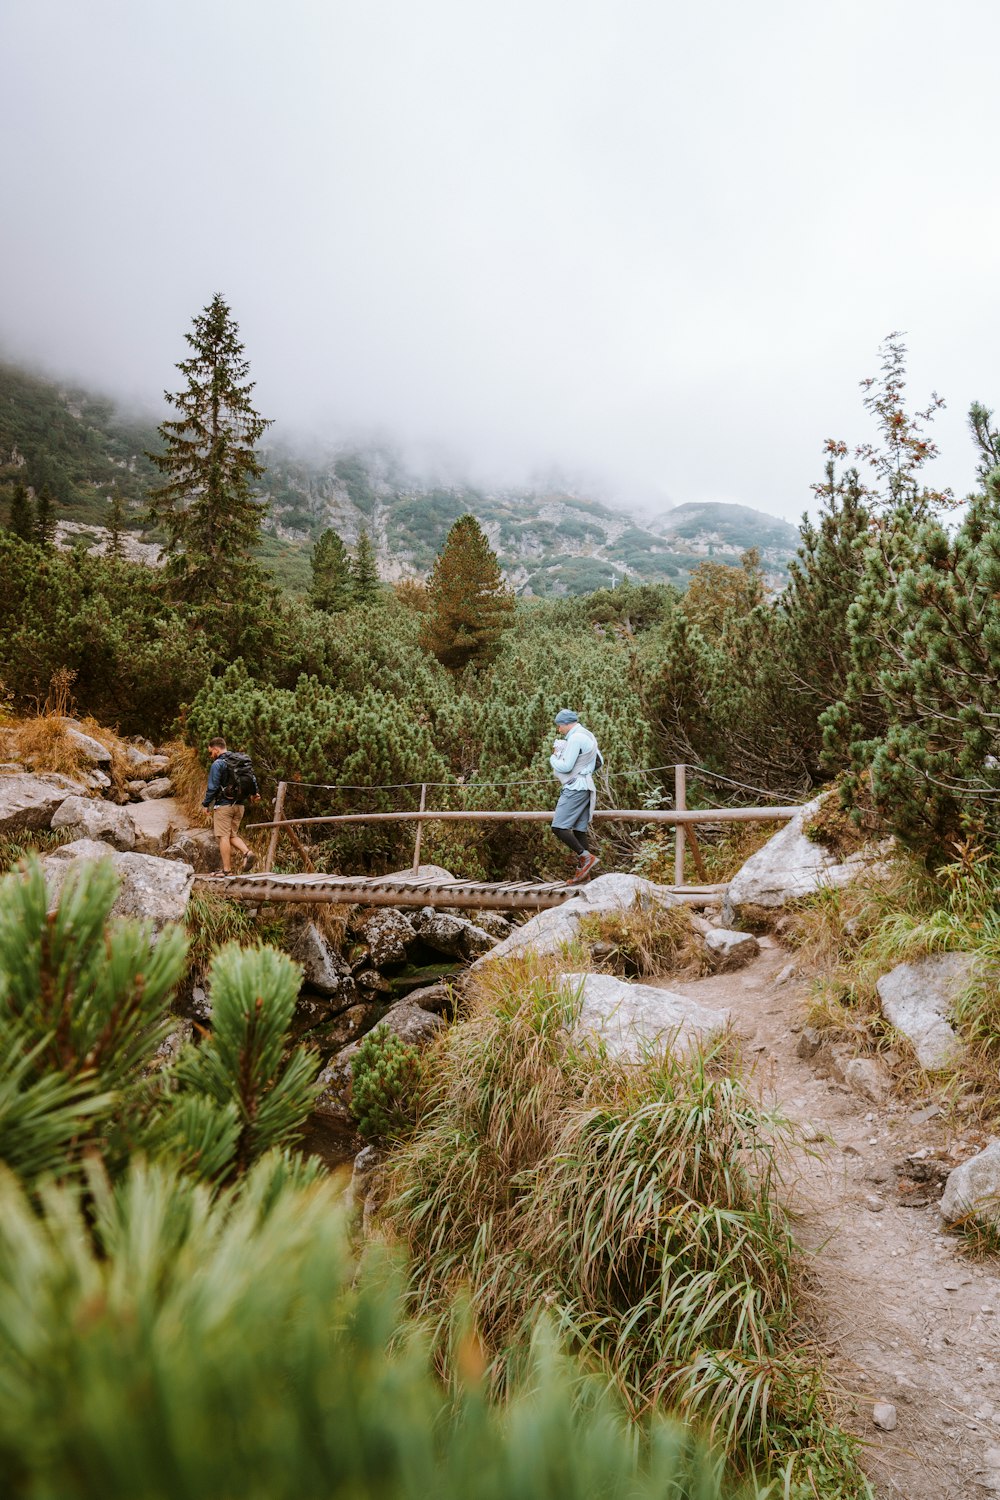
465 786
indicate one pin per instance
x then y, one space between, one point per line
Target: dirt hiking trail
902 1314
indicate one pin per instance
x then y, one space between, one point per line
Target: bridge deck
402 890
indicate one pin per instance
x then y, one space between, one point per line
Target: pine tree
45 521
22 514
211 516
365 584
116 524
470 604
332 583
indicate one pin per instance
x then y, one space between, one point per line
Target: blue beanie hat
567 716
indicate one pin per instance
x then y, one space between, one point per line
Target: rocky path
904 1316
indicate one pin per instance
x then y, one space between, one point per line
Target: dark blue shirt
214 793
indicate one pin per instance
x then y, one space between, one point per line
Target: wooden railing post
279 812
680 805
420 829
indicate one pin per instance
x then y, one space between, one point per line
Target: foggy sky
654 244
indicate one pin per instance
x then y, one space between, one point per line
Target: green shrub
385 1075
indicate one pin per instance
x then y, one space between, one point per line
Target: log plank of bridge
386 890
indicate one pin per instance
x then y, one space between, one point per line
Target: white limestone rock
917 998
973 1189
790 866
87 818
162 786
630 1019
89 749
323 969
28 801
729 950
551 930
155 890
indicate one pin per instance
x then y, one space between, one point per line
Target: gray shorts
574 810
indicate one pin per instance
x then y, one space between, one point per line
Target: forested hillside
83 450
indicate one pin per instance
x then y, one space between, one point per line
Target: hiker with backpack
575 758
231 785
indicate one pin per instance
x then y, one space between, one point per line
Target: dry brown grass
643 941
189 777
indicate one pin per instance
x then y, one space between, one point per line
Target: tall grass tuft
633 1205
645 940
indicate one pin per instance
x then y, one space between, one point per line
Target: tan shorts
226 820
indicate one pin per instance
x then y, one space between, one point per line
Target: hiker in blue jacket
224 812
575 758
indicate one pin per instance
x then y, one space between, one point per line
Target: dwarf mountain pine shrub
385 1076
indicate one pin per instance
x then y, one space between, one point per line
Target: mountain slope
82 446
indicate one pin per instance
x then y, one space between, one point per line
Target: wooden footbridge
410 889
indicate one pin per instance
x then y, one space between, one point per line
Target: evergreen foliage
22 514
212 518
366 587
162 1341
45 521
469 605
332 584
385 1072
115 523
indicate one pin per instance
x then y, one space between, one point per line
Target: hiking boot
249 860
583 869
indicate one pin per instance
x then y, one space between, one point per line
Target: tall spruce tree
115 524
45 521
212 518
365 584
22 514
332 585
470 605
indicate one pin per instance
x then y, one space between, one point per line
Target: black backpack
238 779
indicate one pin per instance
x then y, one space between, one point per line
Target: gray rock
868 1078
144 765
87 818
161 787
438 998
89 749
629 1019
730 950
454 936
173 1045
135 789
495 923
809 1042
550 931
158 824
97 781
787 973
884 1416
790 866
372 982
156 890
973 1189
28 801
197 847
386 933
917 998
201 1003
323 969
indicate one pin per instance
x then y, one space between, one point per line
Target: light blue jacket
574 759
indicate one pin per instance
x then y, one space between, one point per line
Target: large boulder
551 930
973 1189
156 890
197 847
323 969
385 932
88 818
729 950
162 786
791 866
454 936
86 747
918 997
28 801
157 824
629 1019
